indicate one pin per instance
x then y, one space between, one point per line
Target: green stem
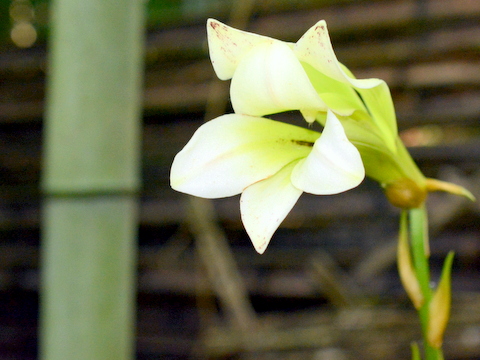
420 254
419 239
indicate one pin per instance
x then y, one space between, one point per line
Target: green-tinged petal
269 80
333 166
381 163
315 48
228 45
340 97
380 107
233 151
265 204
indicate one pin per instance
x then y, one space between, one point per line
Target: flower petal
315 48
265 204
270 79
333 166
228 45
231 152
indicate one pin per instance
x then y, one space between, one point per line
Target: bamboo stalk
91 180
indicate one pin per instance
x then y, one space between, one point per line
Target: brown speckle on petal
303 143
261 247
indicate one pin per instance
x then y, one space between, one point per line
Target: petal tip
213 24
260 247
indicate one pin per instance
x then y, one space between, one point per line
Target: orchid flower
270 163
270 76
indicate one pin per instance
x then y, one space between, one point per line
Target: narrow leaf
405 267
439 307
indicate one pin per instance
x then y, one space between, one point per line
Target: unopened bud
405 193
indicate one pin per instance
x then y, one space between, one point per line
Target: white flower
270 163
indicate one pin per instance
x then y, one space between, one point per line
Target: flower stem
420 249
420 253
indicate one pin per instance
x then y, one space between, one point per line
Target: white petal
333 166
269 80
231 152
265 204
227 46
315 48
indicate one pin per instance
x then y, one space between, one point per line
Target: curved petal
333 166
265 204
228 45
269 80
315 48
231 152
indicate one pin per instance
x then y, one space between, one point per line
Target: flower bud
405 193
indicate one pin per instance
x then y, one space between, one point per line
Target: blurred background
327 286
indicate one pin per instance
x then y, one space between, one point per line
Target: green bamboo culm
91 180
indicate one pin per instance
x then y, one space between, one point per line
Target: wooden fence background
327 286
